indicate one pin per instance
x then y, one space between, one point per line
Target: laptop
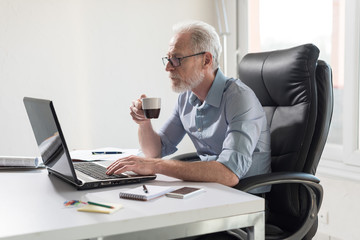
56 156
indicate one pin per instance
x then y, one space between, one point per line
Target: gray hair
204 38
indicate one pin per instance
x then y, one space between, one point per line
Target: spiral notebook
139 193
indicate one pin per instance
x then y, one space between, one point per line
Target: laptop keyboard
95 171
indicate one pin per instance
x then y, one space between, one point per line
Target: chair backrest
296 92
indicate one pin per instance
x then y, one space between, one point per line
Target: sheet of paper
87 155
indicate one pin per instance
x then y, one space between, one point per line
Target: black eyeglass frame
179 59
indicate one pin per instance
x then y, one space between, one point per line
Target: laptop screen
49 137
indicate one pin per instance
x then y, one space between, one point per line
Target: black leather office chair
295 89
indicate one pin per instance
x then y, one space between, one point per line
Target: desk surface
32 208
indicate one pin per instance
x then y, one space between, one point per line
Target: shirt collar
215 93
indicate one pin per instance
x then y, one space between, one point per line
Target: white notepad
20 162
139 193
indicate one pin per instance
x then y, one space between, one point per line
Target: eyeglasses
176 62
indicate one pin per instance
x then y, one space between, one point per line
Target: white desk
31 207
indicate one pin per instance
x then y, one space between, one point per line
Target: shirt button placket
199 123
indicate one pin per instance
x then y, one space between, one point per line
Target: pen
100 205
145 189
96 153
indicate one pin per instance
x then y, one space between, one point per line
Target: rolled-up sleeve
171 133
246 120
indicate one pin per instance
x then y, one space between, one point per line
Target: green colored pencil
100 205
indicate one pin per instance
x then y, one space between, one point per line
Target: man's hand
139 165
136 111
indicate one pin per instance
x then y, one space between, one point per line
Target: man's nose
169 67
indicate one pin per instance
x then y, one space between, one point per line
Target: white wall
340 209
92 58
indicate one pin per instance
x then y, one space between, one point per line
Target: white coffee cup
151 107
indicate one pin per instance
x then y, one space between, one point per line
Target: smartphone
184 192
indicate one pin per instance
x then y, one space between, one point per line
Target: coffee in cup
151 107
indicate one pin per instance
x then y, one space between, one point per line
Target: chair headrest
281 77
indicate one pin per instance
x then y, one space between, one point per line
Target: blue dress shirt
229 126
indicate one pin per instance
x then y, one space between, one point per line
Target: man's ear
208 59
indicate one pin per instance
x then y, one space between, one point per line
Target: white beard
186 85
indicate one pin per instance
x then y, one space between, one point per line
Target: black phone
184 192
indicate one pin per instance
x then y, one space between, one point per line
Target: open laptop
56 156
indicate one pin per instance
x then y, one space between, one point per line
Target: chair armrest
252 182
192 156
